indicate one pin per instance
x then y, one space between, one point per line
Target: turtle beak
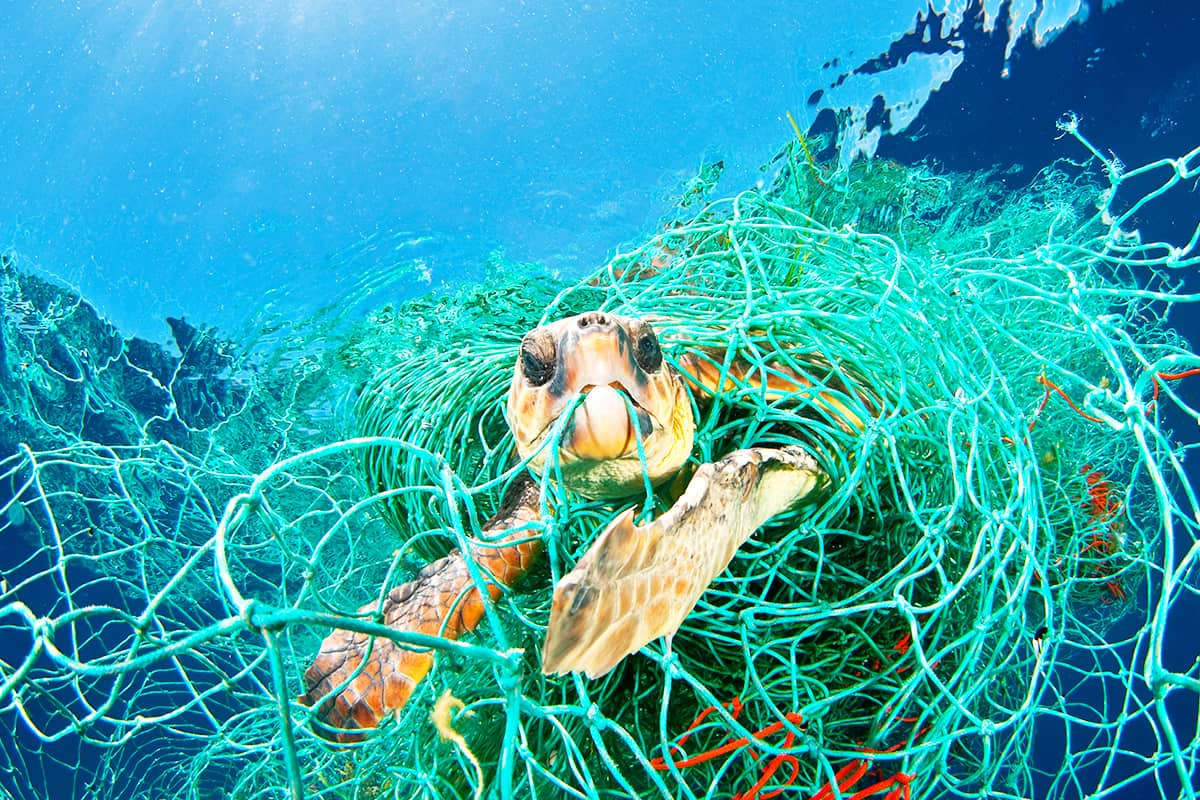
601 428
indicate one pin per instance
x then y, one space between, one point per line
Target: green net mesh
991 574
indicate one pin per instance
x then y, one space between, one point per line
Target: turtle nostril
597 318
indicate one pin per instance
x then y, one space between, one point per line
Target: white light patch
1057 16
1019 14
1045 19
905 89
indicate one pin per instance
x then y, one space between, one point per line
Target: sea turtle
597 386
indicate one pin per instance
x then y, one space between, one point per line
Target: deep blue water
184 160
1132 75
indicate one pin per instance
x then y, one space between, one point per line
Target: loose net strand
984 602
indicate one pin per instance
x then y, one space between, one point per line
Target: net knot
43 629
248 613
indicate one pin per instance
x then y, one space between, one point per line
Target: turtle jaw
586 450
602 429
597 453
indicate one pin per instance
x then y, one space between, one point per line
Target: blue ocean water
183 159
193 160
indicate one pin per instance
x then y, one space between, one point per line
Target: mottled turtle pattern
593 402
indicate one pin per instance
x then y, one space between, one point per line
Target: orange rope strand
1051 385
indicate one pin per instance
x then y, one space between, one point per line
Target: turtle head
616 365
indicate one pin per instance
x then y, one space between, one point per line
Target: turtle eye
537 360
646 352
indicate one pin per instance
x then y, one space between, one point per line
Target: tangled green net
992 572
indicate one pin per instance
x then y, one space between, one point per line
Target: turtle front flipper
442 600
637 583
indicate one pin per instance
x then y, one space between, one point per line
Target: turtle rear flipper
638 583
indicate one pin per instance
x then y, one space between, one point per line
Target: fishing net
983 603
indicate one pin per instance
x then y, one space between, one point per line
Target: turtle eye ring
647 351
537 361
